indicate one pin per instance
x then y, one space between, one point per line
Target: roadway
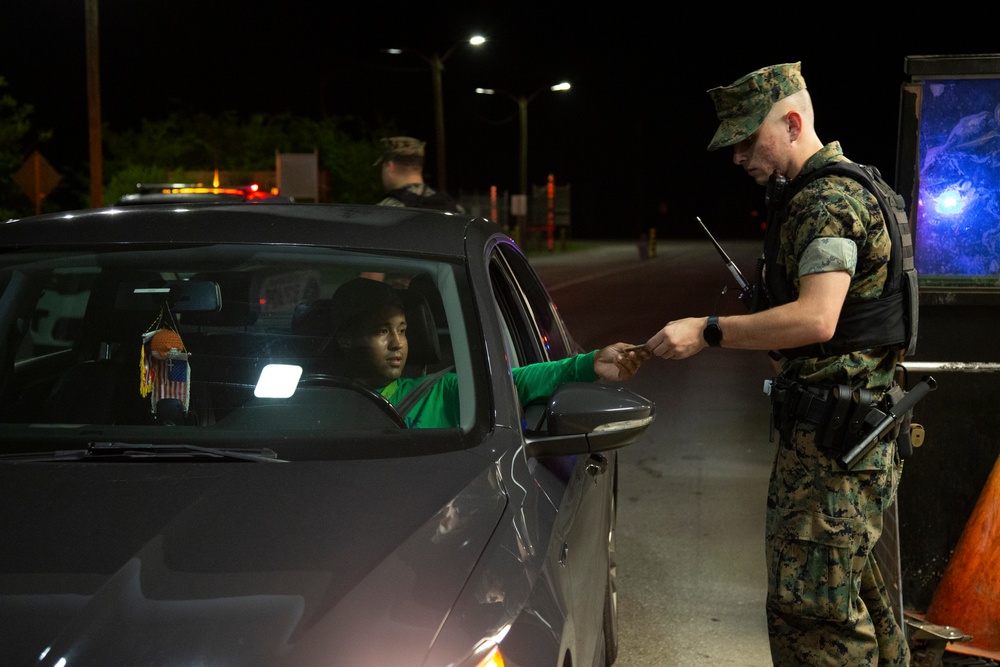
692 490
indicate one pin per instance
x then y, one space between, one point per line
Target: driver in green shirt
370 336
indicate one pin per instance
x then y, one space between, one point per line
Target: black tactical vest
890 320
438 201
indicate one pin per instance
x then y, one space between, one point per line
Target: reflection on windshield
230 338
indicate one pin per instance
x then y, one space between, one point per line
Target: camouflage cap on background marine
743 106
394 147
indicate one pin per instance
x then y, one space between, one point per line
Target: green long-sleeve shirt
439 407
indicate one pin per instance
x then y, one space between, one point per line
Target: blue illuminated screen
957 227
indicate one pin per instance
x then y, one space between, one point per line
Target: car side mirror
586 417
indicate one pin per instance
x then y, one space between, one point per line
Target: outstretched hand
619 361
680 339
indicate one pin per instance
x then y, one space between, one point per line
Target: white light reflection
623 425
949 201
278 381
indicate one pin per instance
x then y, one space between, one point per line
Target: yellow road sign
36 178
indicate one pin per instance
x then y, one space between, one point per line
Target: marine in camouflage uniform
826 601
402 163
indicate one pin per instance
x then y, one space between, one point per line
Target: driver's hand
620 361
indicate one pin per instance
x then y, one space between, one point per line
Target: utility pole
436 63
94 105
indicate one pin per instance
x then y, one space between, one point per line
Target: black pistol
881 423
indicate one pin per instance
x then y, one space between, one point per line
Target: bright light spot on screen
949 201
278 381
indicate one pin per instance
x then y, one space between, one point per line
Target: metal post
522 106
437 67
94 105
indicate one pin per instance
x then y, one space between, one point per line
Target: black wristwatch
712 332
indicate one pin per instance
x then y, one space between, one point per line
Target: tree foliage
17 138
165 150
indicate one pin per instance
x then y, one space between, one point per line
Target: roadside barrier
968 595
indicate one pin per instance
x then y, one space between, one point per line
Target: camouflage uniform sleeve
391 201
837 226
827 217
825 254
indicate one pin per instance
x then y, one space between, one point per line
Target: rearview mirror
183 296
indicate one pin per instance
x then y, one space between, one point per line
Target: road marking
593 276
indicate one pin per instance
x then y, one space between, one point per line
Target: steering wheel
340 382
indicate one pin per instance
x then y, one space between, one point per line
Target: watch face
712 332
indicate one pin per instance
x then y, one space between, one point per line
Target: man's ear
793 122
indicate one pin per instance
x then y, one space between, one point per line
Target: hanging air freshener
166 372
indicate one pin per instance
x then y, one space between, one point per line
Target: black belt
837 413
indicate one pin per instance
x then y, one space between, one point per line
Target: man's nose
396 340
739 157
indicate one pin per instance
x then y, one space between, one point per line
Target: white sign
298 175
519 204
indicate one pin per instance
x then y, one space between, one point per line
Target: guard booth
942 538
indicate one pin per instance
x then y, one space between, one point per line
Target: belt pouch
862 403
841 398
784 403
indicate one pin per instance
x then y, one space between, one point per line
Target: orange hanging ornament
164 341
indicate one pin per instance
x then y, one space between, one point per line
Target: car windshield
214 346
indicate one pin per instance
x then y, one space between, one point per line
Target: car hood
328 562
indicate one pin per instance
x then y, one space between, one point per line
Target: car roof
383 228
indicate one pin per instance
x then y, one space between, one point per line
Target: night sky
629 137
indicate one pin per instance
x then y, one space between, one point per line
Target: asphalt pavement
692 490
690 535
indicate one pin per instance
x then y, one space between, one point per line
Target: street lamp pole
436 63
522 102
522 108
437 67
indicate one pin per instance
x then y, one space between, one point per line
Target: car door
583 486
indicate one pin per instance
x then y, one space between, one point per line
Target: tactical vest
439 201
892 318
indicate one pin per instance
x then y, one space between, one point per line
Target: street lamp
436 63
522 102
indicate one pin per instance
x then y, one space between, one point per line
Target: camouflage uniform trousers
826 601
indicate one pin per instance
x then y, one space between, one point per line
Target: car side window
538 306
523 344
58 314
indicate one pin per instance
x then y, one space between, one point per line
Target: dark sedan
189 478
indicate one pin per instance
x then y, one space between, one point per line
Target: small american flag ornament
166 371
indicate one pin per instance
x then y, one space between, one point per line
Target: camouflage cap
401 146
743 106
